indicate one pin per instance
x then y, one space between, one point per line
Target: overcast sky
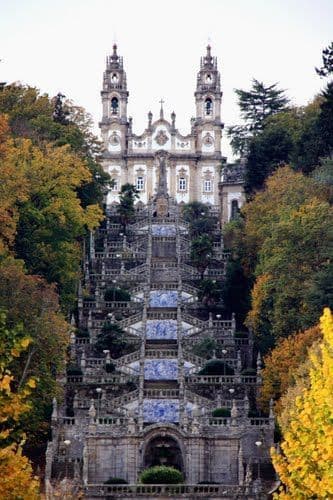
61 45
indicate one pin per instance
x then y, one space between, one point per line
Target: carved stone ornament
208 140
114 139
161 138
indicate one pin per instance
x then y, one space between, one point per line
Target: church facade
193 161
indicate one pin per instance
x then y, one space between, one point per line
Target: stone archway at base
163 450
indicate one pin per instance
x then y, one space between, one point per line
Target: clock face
114 139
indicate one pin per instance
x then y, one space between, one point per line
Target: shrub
82 333
110 367
161 474
116 480
216 367
222 412
116 294
74 370
249 371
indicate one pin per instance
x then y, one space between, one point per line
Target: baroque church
157 374
193 161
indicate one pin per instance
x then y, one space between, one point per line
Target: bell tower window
208 107
114 105
114 78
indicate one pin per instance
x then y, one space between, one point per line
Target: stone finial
73 322
173 119
72 339
54 409
259 363
246 404
233 321
83 360
271 409
130 124
234 409
92 410
150 119
239 361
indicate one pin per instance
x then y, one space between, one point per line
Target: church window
115 185
207 185
114 78
234 208
114 105
140 183
208 106
182 184
208 78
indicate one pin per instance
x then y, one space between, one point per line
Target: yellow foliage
306 463
16 478
17 481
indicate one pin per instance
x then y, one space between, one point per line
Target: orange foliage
282 362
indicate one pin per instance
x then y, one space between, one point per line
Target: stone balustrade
223 379
178 491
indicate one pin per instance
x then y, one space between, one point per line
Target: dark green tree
112 338
194 210
201 252
256 105
327 64
60 115
126 211
209 292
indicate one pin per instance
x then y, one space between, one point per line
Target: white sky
61 45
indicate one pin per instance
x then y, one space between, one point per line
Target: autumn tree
32 303
281 364
306 462
17 480
52 219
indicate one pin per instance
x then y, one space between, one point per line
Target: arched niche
163 449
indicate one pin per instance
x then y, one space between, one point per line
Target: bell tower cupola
114 93
208 93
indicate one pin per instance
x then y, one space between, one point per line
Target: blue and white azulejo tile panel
161 369
161 410
160 230
163 298
161 329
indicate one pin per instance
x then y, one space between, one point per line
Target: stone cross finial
161 110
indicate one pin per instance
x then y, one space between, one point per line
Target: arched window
234 209
182 184
114 105
208 106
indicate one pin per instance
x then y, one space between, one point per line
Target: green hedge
222 412
216 367
161 474
116 480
